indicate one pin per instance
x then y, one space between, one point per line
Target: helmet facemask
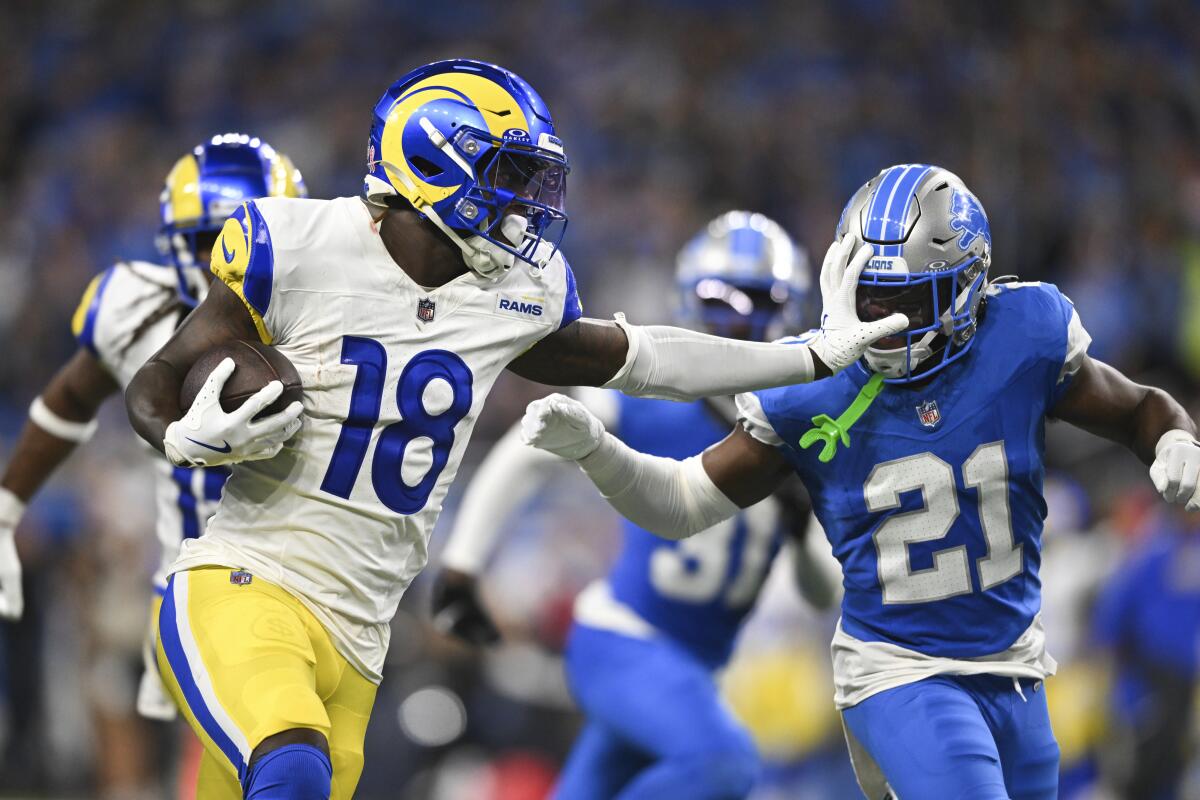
513 179
747 312
942 309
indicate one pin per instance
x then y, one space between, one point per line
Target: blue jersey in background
698 590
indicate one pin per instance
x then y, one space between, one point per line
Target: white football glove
207 436
1176 468
843 337
563 426
12 601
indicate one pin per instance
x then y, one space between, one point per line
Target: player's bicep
743 468
1099 396
221 318
1103 401
588 352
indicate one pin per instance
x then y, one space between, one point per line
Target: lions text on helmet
932 248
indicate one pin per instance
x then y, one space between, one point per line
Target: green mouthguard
831 431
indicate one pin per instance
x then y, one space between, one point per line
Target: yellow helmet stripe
500 111
183 190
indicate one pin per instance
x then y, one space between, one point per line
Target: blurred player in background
939 658
126 314
646 641
1147 619
275 623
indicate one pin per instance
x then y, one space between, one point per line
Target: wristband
1178 435
53 424
11 509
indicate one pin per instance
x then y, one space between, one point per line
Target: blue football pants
970 737
656 728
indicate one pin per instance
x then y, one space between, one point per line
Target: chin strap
484 258
903 363
832 431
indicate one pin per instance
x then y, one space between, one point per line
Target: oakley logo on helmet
967 218
516 133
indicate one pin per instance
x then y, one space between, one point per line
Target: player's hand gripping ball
242 403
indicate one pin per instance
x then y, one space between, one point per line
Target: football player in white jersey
127 313
399 309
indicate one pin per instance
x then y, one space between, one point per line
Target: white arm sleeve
677 364
673 499
508 477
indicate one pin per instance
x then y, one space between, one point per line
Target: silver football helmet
742 276
933 247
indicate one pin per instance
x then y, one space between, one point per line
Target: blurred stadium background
1077 123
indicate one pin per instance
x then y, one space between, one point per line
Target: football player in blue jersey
647 640
935 507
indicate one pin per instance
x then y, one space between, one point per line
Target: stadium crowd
1076 123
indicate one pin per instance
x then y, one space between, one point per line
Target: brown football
256 366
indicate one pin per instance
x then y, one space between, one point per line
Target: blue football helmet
744 277
933 248
207 185
471 147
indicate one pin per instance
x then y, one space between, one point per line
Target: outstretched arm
61 418
673 499
678 364
1147 420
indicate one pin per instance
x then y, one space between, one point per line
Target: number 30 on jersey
416 421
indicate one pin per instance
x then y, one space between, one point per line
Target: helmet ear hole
427 168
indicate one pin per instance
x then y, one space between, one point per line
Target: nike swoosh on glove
207 436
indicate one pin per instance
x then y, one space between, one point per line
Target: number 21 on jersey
416 421
985 470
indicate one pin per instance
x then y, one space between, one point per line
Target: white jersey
127 313
394 379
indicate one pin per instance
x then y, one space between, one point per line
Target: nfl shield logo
425 309
239 577
929 414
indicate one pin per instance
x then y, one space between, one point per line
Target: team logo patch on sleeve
522 307
929 414
426 309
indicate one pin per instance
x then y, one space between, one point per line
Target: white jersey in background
394 377
126 314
